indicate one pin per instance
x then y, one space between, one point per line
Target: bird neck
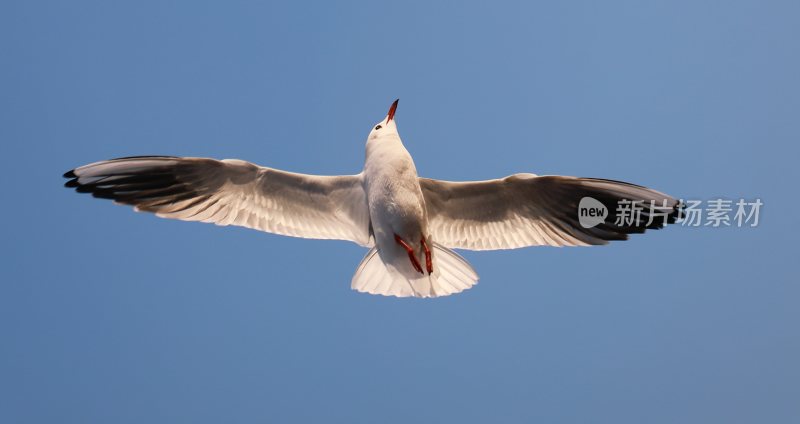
385 149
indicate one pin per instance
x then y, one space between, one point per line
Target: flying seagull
409 223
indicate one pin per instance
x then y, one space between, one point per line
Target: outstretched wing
232 192
528 210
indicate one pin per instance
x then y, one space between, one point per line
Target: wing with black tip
528 210
232 192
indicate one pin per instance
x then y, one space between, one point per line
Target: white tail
451 274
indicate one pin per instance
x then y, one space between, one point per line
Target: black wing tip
611 230
73 179
71 173
673 217
678 212
147 191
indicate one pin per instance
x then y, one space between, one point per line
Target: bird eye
378 127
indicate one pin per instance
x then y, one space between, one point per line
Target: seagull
409 224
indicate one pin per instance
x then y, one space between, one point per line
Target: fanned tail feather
452 274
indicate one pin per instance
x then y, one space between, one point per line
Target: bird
410 224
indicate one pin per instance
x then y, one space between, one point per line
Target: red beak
392 110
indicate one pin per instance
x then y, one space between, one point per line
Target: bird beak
392 110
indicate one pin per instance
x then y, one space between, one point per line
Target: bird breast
395 198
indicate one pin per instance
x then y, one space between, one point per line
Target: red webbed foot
414 262
428 261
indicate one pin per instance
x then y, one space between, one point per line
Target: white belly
396 204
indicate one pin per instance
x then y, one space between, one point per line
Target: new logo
591 212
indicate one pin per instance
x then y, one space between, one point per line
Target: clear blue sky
111 316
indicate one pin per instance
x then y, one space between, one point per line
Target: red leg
410 251
428 261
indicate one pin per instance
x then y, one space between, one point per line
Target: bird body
399 221
409 223
394 196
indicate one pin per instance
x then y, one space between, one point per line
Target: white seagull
409 223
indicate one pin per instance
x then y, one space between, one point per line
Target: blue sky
111 316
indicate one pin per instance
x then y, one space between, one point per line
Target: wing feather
232 192
528 210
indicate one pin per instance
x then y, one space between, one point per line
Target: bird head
387 125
